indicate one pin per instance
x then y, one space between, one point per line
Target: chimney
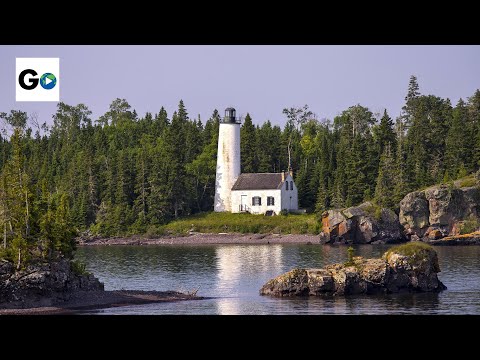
291 172
283 175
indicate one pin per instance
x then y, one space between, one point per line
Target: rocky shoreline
255 239
63 286
201 238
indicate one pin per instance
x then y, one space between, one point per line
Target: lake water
233 274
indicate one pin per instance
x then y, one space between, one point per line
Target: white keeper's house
256 193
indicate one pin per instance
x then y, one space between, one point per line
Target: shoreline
246 239
95 300
202 238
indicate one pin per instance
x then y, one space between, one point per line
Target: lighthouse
228 160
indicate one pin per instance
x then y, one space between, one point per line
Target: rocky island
63 286
410 267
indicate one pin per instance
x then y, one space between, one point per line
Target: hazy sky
259 79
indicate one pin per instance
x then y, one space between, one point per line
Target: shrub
374 211
78 267
154 231
469 226
467 182
350 254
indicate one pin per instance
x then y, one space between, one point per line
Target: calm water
233 275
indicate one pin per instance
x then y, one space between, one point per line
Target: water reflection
233 275
235 263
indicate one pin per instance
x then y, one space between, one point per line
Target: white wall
228 164
281 196
236 200
286 194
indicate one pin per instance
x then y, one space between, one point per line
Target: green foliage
467 182
386 179
154 231
416 249
373 209
350 255
79 267
469 226
248 146
213 222
123 174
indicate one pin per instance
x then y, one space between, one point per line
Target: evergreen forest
123 174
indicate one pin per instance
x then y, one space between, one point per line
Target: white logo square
37 79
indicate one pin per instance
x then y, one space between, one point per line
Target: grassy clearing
212 222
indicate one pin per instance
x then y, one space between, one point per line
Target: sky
258 79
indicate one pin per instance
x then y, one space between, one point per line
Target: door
243 203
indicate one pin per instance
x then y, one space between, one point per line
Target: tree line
124 174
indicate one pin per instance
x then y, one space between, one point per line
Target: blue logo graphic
48 81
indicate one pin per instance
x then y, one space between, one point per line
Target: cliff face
363 224
438 211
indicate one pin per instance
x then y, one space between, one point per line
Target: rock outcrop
363 224
43 284
406 268
438 211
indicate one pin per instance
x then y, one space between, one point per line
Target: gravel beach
197 239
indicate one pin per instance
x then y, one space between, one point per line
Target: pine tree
384 133
386 179
263 149
17 202
474 127
457 152
248 146
413 89
175 142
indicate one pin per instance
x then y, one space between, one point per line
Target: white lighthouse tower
228 160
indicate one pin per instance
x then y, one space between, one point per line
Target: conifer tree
457 153
386 179
248 146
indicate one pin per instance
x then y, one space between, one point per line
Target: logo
48 81
32 72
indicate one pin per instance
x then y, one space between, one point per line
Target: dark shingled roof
262 181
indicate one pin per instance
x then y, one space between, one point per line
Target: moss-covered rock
411 267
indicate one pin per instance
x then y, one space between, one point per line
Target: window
256 200
286 185
270 200
291 185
